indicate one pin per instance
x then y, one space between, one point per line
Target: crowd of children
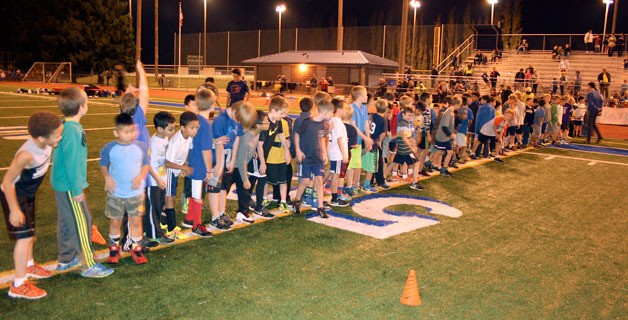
332 141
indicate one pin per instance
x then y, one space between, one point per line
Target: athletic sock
114 239
194 212
19 281
367 184
334 197
136 241
171 219
30 263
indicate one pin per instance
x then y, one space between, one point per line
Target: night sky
539 16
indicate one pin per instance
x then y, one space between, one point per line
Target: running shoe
339 203
187 224
358 190
27 290
348 191
138 256
201 231
296 206
424 173
67 266
498 159
322 213
244 218
369 189
263 212
284 207
36 271
114 254
217 223
445 172
416 186
226 219
145 242
176 234
97 271
164 240
343 197
383 186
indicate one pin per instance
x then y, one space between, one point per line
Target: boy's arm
260 156
297 147
207 159
21 160
137 181
220 159
143 83
235 146
110 184
241 164
286 146
160 183
343 149
323 145
178 166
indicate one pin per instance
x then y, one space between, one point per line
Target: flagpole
180 24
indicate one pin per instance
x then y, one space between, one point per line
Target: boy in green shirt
69 179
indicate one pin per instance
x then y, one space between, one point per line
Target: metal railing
536 41
460 53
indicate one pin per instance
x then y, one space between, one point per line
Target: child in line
17 195
189 104
352 143
124 163
200 160
359 121
276 150
578 116
244 117
177 165
311 147
406 153
371 162
337 150
155 191
256 167
69 180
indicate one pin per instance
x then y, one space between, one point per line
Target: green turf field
542 236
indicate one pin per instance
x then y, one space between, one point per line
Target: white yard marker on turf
575 158
550 158
592 163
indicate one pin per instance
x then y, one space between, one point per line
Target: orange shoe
97 237
27 290
138 255
36 271
114 254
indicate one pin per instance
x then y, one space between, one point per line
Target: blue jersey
139 119
464 124
538 114
201 142
485 114
360 115
225 126
125 162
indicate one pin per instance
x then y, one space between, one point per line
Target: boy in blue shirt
312 153
124 164
360 121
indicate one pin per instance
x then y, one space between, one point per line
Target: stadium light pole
493 3
280 9
608 3
414 4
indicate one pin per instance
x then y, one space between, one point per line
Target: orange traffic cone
97 237
410 295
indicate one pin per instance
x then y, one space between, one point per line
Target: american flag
180 15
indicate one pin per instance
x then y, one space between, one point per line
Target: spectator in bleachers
611 44
523 46
563 64
621 43
520 77
597 42
604 79
588 41
493 77
555 52
567 51
577 84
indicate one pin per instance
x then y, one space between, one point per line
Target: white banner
613 116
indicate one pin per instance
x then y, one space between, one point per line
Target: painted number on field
381 222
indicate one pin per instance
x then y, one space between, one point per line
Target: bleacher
589 65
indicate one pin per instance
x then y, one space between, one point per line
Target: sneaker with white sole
244 218
201 231
97 271
263 213
339 203
61 266
37 272
27 290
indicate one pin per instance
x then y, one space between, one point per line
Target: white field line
576 158
592 163
550 158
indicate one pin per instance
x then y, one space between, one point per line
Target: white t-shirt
158 158
178 150
580 111
521 108
338 131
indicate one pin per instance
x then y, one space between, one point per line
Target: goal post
50 72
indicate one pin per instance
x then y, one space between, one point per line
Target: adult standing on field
237 89
594 106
